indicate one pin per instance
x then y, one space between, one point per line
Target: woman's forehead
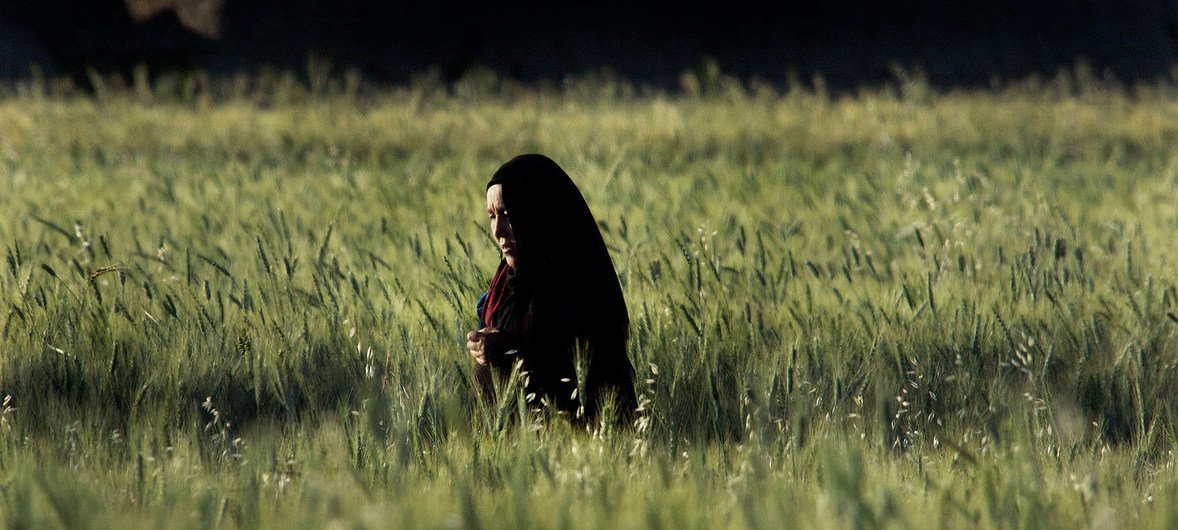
495 195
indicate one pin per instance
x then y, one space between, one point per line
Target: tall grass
243 303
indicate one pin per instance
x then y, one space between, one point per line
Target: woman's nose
500 228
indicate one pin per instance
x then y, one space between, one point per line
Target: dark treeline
847 43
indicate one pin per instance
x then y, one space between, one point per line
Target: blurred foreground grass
244 305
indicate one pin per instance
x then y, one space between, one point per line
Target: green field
244 304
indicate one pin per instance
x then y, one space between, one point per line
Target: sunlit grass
899 308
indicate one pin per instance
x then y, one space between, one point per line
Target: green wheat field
244 304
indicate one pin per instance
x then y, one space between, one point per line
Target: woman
554 296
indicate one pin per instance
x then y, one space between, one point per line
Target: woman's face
501 224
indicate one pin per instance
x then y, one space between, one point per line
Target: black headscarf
567 294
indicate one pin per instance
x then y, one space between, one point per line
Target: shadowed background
846 43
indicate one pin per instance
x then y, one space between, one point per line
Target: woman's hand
486 345
474 343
